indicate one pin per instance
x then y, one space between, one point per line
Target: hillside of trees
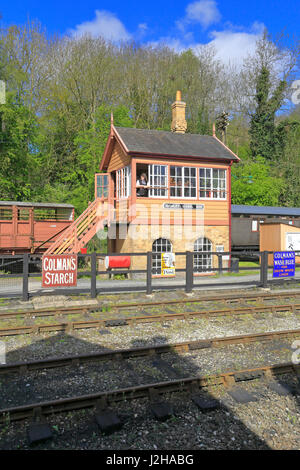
60 92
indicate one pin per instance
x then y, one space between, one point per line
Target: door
101 185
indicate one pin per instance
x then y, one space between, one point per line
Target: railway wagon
246 221
27 227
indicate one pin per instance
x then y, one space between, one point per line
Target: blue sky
232 26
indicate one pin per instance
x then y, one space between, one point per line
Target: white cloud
105 24
142 30
143 26
234 46
204 12
230 45
173 43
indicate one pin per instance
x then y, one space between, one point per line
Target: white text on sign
59 271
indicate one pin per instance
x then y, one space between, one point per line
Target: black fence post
149 273
189 274
220 265
25 277
93 275
264 269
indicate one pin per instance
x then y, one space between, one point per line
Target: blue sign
284 264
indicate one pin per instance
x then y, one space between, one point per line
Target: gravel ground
272 422
30 347
51 384
108 312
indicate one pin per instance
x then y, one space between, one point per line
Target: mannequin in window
140 184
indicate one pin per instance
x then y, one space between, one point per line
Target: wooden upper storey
182 178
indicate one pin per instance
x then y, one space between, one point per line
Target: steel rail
144 351
84 324
58 311
110 397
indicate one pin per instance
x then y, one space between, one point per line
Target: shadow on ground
194 428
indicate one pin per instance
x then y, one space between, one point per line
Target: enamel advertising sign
59 271
284 264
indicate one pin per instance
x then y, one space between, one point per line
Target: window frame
123 182
211 189
257 225
182 177
101 185
160 188
202 263
223 183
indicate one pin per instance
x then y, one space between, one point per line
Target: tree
254 183
288 167
17 150
262 127
279 56
61 90
90 145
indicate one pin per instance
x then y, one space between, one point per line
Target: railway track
150 318
153 391
178 348
104 403
226 298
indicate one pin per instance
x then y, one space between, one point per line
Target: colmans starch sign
59 271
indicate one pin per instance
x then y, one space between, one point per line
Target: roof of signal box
164 143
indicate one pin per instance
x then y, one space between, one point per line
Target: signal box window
158 180
182 182
212 183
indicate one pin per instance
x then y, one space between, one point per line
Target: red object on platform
117 262
83 251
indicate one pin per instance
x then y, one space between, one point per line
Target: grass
249 264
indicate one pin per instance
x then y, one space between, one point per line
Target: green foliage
18 134
254 183
288 145
262 128
202 125
69 176
61 92
89 147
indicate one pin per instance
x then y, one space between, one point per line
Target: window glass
202 262
158 180
212 183
254 225
183 182
124 182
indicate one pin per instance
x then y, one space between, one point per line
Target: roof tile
169 143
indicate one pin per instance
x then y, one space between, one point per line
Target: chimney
178 115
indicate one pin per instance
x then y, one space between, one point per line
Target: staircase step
87 222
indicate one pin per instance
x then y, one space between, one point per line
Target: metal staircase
77 235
